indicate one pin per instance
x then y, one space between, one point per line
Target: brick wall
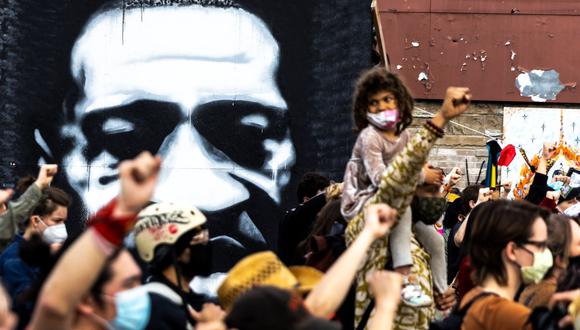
461 143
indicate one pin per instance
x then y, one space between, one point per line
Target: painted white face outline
154 63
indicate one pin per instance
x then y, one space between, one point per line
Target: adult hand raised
5 195
138 180
46 175
379 218
455 103
433 175
454 176
561 178
484 195
507 187
548 149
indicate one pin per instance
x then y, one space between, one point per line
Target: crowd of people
395 245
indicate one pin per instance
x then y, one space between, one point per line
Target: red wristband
112 229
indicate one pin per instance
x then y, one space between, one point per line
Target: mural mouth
244 228
234 235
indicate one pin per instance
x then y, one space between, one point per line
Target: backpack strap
464 309
163 290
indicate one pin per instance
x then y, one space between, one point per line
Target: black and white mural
240 98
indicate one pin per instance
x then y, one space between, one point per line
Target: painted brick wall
460 143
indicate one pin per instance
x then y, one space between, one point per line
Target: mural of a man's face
196 85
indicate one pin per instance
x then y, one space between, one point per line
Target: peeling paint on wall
466 43
539 85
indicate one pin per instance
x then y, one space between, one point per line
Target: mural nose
193 176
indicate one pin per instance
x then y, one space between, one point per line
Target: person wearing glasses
508 249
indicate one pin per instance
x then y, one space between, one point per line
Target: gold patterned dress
396 189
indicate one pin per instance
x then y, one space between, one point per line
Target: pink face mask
384 120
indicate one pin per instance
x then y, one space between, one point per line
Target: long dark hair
559 236
570 280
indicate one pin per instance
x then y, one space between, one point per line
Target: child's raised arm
398 184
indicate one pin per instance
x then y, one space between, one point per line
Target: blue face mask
556 185
133 310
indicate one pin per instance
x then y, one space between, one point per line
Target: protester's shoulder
163 290
369 130
495 311
538 295
11 251
18 268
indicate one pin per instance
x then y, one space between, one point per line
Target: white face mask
384 120
55 234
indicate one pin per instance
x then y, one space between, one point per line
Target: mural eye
238 129
126 131
117 125
258 121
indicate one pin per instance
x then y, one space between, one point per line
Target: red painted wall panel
471 43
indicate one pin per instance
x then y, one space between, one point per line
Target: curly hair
376 80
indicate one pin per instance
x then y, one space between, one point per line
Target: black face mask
199 262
